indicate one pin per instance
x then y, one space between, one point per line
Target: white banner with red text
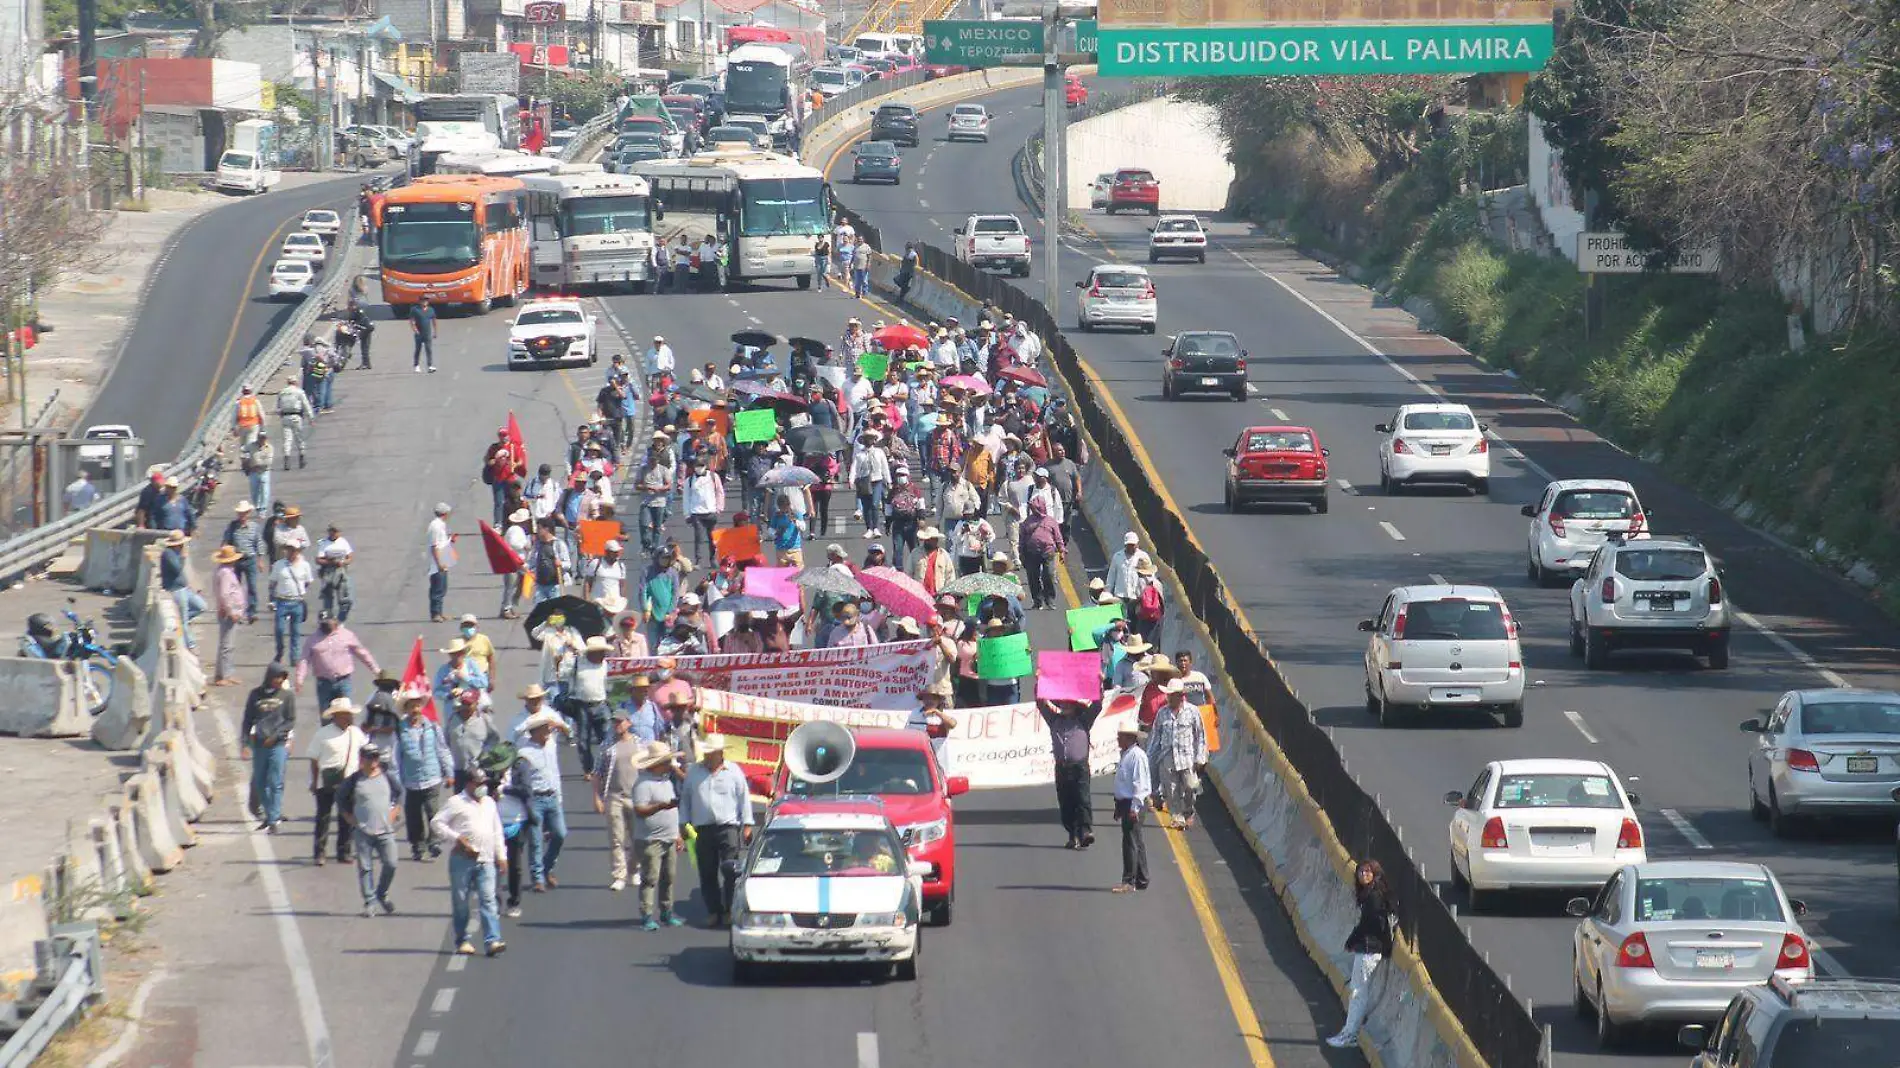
855 676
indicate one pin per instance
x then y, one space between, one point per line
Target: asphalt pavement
1325 354
205 313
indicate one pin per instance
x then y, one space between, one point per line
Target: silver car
1825 752
1660 591
1675 940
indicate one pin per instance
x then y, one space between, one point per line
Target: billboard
488 72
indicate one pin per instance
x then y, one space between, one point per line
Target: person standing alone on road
422 322
472 821
441 549
369 800
1131 797
270 714
1369 943
1069 724
365 329
821 261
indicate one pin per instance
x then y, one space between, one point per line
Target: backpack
547 569
1148 604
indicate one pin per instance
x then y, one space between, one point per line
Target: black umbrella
814 440
809 347
746 602
756 339
583 615
699 391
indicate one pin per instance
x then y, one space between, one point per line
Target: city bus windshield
593 216
430 238
783 206
755 87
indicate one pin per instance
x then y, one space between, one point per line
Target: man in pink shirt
331 654
234 607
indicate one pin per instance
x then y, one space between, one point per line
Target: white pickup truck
985 241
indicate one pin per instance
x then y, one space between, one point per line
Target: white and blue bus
764 210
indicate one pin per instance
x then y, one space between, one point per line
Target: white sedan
322 222
304 245
1116 295
550 332
1178 236
292 279
1433 443
1542 824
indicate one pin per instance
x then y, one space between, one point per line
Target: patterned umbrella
823 578
984 584
967 382
900 593
789 476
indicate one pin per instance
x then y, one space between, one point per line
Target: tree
46 232
214 18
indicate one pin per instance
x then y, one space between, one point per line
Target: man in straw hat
614 774
334 752
1132 792
1177 748
657 830
424 764
245 535
458 672
289 584
932 567
369 799
587 697
471 821
539 765
177 583
718 807
227 590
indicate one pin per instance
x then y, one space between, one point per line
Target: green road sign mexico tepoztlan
1239 51
973 43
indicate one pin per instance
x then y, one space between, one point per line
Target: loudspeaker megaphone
819 752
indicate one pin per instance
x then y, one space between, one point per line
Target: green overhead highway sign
1247 51
978 43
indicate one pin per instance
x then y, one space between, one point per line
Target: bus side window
546 228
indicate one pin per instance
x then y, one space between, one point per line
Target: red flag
514 438
415 679
502 558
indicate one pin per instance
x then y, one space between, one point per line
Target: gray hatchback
1781 1024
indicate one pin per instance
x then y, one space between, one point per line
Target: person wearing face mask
480 647
458 673
331 654
472 823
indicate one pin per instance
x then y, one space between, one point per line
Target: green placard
756 424
875 365
1006 657
1084 622
1254 51
977 43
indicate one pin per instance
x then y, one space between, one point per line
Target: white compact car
1098 189
1572 519
292 278
969 122
1433 443
304 245
1542 824
322 222
1444 650
1116 295
1178 237
1662 591
828 882
1675 940
547 333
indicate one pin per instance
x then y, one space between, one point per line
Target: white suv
1444 648
1434 443
1179 236
1115 294
1572 518
1652 592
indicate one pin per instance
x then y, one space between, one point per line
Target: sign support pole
1054 110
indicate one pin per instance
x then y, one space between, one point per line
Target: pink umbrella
967 382
900 593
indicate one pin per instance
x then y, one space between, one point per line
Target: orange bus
462 239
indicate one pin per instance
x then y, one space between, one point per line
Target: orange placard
595 534
718 417
1210 719
739 543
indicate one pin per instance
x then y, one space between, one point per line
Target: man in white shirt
841 247
543 493
1132 792
607 577
81 493
708 264
472 822
334 556
659 356
441 548
333 754
516 537
1122 580
290 582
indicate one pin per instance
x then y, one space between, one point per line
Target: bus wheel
401 311
804 281
483 305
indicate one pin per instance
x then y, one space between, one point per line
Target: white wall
1178 140
1560 209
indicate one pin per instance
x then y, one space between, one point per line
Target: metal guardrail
80 981
41 546
590 134
843 102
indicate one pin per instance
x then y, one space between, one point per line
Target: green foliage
581 99
289 96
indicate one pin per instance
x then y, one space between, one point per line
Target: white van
245 172
880 45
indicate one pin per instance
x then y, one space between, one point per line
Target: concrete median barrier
23 926
127 719
41 699
124 822
158 849
113 557
175 797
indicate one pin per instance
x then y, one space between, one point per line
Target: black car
876 161
1204 361
896 123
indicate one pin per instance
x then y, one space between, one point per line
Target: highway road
206 312
1324 354
1042 964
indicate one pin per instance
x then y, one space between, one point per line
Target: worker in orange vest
250 417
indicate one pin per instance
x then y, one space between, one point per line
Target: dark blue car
876 161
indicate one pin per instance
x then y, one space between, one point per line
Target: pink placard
776 583
1064 676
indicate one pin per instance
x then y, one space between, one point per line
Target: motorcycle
204 487
79 645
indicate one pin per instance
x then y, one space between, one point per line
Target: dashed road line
1576 720
1686 829
444 1000
426 1043
1832 678
458 963
1437 579
1392 530
1278 414
922 203
867 1049
1344 485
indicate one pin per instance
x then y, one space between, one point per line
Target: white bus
589 228
764 210
496 162
767 79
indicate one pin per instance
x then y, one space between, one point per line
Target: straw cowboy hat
711 743
226 555
1157 666
907 625
455 646
543 719
533 691
176 538
1135 644
655 754
1106 597
613 604
929 533
597 644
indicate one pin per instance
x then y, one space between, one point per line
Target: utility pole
1054 107
323 143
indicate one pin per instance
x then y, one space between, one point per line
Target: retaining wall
1179 140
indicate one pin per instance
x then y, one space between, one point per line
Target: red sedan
1276 463
1075 92
1136 189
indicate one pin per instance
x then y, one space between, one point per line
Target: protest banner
720 418
594 534
739 543
1068 676
773 582
875 365
886 676
1006 657
757 424
1008 745
1084 622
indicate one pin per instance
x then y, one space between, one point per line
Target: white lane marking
1437 579
734 301
1828 965
444 1000
936 224
1278 414
1686 829
867 1049
922 203
134 1015
753 319
425 1043
1576 720
1392 530
458 963
1792 650
1344 486
1831 677
1255 390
